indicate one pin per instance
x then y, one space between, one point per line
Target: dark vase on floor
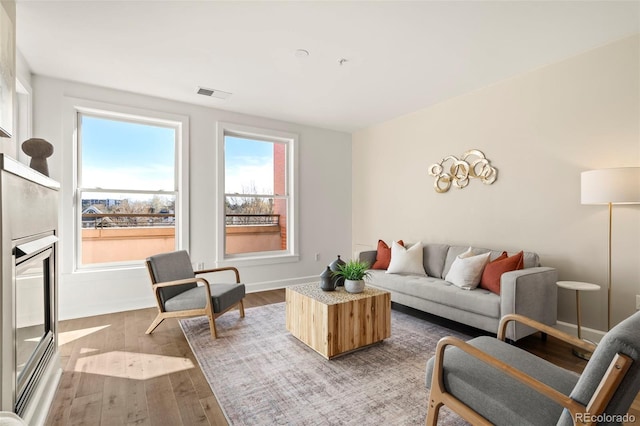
326 280
334 266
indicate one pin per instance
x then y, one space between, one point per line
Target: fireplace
34 312
29 366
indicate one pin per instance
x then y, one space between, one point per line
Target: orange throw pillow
383 257
493 271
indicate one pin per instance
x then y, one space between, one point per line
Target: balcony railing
127 220
116 237
251 219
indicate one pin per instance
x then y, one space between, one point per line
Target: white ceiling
401 56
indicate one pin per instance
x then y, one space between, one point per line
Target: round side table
578 287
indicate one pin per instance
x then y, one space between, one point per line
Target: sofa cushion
406 260
383 255
433 259
222 297
478 301
466 270
529 260
493 271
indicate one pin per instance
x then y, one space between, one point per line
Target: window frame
181 176
291 190
24 117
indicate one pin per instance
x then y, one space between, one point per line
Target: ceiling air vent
214 93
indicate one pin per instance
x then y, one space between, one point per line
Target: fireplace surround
29 358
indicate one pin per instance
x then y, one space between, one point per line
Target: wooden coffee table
336 322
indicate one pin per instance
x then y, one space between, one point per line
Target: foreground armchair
178 294
488 381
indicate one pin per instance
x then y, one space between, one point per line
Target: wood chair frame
207 310
601 397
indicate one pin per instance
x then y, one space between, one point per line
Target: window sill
109 267
240 260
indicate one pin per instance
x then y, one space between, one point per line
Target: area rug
262 375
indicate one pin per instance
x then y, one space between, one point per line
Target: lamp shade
616 186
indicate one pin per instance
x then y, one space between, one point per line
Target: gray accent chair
178 294
488 381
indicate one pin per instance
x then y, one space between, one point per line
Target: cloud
152 178
239 178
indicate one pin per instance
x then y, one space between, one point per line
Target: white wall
8 145
324 197
540 130
24 110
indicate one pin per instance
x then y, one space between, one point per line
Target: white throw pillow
406 260
466 272
466 254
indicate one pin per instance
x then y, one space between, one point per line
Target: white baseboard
590 334
101 307
89 310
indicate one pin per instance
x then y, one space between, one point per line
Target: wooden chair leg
156 322
212 325
241 308
432 412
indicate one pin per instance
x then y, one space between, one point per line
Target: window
127 202
257 179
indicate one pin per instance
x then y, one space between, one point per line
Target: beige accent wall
540 130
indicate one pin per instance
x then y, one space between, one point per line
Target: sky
248 164
123 155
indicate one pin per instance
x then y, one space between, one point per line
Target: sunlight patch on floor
70 336
132 365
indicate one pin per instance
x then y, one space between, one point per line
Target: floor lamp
611 186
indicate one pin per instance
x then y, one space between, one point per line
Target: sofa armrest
368 256
585 345
531 292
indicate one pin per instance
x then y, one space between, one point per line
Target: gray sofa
531 291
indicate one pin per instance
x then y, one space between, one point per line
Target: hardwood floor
114 374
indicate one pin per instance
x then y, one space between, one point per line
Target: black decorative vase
326 280
334 266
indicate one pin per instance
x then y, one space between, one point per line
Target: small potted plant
353 273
